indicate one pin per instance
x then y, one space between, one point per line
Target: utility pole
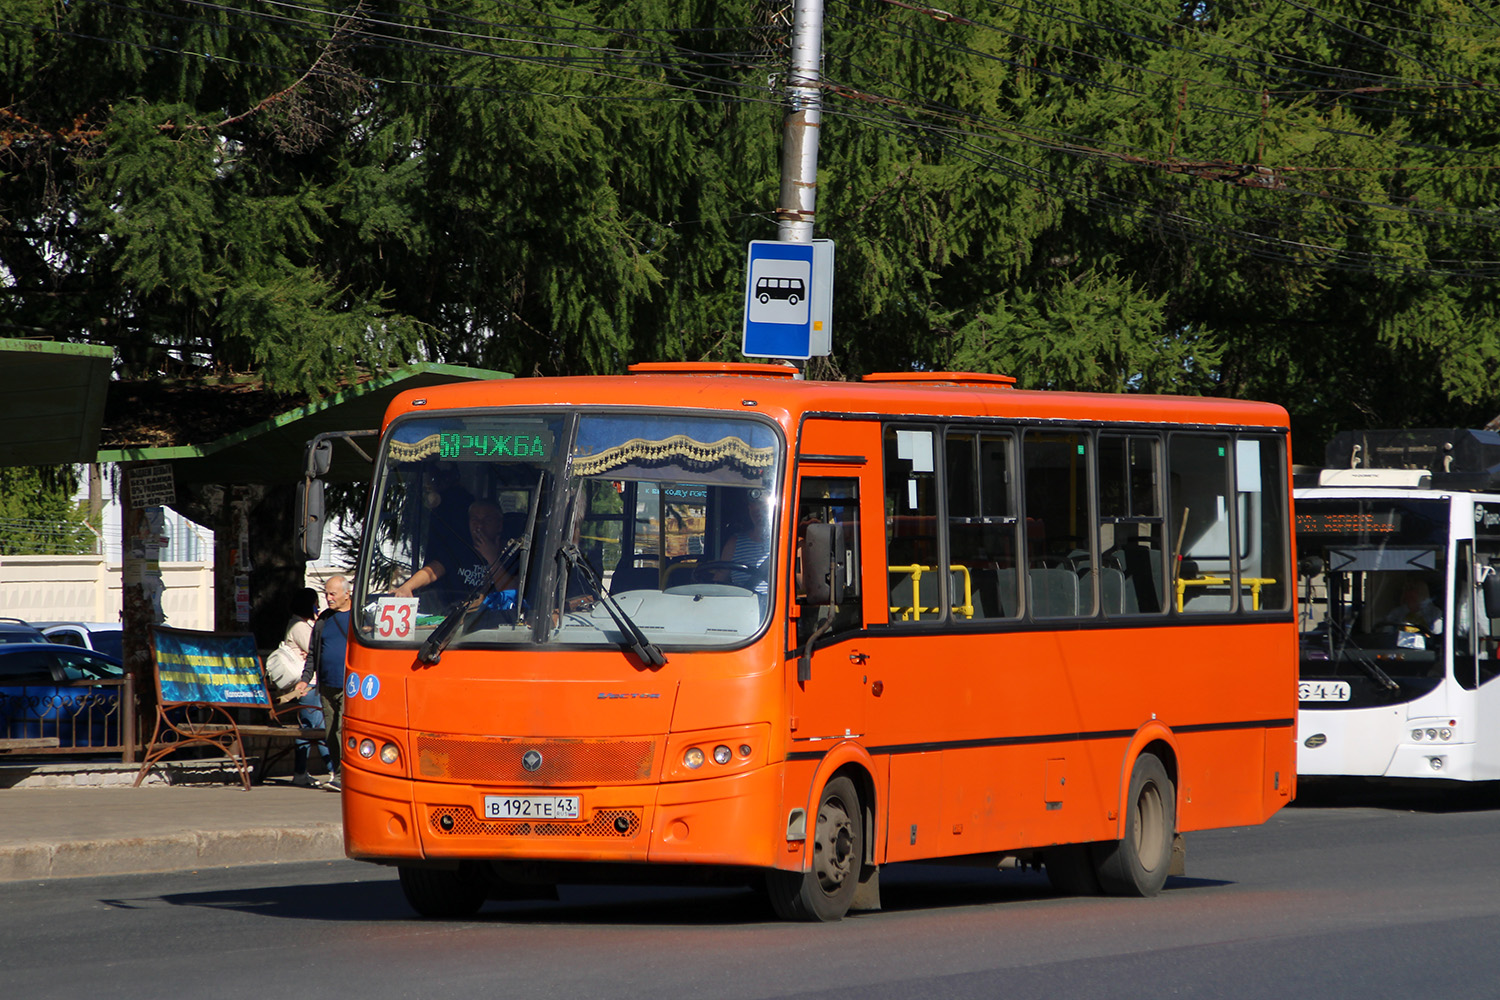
799 134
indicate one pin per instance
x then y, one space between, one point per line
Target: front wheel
442 893
826 892
1137 864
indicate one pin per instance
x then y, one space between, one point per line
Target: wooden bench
211 692
28 743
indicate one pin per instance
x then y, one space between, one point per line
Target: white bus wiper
635 639
1349 649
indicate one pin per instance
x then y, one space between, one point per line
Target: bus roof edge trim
1405 478
714 368
987 379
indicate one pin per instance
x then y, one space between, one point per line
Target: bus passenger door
830 688
1476 648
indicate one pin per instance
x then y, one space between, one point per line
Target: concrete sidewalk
63 832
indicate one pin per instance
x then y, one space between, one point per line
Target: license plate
531 807
1323 691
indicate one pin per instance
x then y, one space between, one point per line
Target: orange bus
717 622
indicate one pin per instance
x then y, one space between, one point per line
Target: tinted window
26 666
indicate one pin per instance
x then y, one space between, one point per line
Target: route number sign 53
395 617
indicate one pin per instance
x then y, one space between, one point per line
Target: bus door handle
858 659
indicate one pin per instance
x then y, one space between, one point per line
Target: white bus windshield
1374 577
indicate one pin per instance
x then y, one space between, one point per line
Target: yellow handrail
914 611
1253 582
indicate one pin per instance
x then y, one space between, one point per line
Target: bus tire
444 894
1070 870
826 891
1137 864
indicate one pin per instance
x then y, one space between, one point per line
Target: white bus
1398 540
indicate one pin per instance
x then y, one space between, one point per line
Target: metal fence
84 718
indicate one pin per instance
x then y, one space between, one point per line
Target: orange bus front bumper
731 820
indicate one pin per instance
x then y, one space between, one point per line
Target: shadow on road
1436 796
904 888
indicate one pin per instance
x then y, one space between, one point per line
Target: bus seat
1116 597
1054 592
1143 576
1008 601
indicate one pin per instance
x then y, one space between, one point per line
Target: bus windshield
626 529
1372 621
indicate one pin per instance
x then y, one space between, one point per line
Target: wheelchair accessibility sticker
366 687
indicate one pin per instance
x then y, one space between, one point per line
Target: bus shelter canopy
51 401
183 426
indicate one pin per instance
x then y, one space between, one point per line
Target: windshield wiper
1349 649
510 552
432 649
635 639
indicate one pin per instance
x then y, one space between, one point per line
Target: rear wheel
442 893
1137 864
825 892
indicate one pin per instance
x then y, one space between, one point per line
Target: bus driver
471 565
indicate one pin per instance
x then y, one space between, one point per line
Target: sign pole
799 133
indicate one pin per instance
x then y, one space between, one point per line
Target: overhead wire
591 60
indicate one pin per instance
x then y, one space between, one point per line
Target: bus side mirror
824 564
1491 587
309 515
319 457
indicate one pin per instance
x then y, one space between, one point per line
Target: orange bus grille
562 762
617 823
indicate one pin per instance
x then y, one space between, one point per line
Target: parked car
15 630
106 637
53 689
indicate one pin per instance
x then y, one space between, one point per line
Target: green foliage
38 515
1233 198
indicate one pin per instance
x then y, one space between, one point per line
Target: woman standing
290 657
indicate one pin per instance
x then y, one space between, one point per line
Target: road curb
181 851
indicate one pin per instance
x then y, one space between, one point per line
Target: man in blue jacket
330 644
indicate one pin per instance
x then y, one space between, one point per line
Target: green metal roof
51 401
272 451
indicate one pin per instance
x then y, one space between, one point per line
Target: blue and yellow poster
206 668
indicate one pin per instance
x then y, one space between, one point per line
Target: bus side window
1059 526
1199 518
1131 526
982 524
914 575
1264 572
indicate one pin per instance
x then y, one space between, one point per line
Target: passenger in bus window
748 549
469 566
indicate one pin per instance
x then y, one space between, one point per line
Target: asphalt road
1341 896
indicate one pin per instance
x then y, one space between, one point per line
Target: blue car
15 630
49 689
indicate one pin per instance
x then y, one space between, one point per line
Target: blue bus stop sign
788 299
